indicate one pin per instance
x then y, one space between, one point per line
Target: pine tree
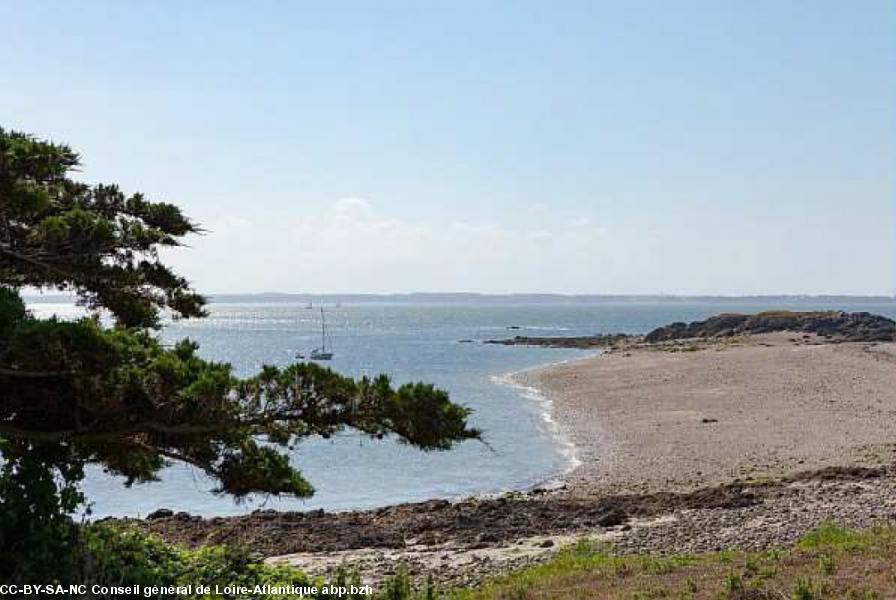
108 392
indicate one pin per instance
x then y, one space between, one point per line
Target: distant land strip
483 298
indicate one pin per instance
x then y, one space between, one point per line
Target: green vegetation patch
829 562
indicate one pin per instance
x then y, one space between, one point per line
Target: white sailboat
322 353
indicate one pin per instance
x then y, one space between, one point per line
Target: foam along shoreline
680 415
529 391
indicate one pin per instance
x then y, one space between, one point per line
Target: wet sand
679 416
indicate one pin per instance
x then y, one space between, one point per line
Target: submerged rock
582 342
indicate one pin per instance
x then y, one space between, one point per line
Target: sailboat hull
321 353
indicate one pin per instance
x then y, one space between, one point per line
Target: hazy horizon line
533 296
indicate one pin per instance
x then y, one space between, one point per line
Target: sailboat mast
323 329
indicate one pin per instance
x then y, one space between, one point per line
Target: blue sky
594 147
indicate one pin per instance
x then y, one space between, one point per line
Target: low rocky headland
831 325
737 432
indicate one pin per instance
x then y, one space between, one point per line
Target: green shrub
118 556
38 540
399 586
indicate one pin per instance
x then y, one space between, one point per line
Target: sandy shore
684 415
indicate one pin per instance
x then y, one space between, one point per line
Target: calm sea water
408 342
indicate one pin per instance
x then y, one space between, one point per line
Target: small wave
534 395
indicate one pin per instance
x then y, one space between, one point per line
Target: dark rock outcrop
581 342
473 523
834 325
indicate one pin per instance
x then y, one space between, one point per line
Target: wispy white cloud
353 247
353 207
539 236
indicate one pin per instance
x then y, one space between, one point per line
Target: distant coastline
498 299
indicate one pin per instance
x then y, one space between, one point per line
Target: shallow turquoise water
408 342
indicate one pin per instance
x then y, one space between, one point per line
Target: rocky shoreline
831 325
461 543
586 342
